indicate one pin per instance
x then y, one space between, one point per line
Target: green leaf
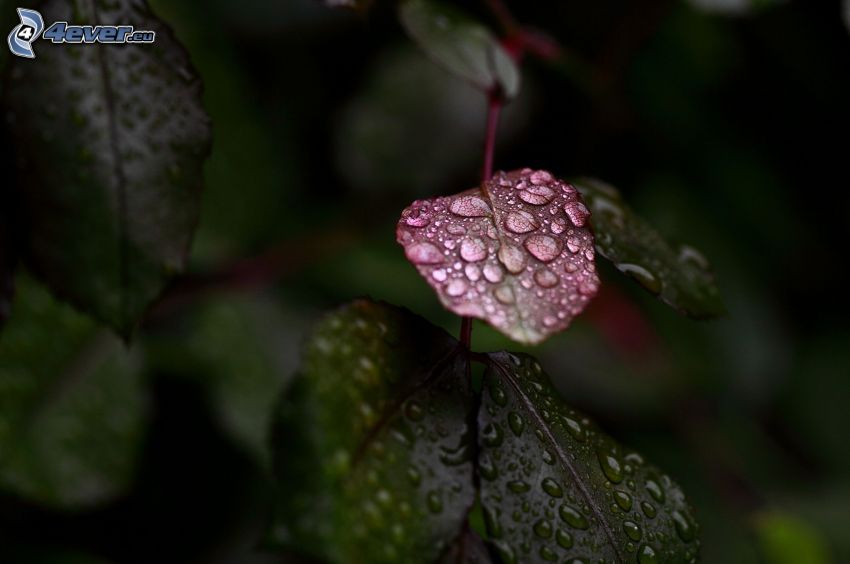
786 539
372 443
681 278
109 142
72 407
461 45
555 487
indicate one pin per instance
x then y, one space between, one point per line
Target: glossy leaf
556 488
109 142
371 447
461 45
72 405
681 277
517 253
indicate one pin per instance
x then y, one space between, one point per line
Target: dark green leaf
461 45
372 444
555 487
109 142
681 278
72 407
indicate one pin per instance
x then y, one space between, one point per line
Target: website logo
31 28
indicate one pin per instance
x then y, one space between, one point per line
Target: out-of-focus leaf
846 14
787 539
72 406
461 45
734 7
468 548
109 142
242 350
681 278
405 93
372 444
555 487
516 253
358 5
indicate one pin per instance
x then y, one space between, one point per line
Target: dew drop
577 212
493 273
473 250
505 295
518 486
546 278
456 287
575 429
416 217
472 272
573 244
559 225
632 530
414 476
537 195
543 529
655 491
551 487
623 499
520 222
572 517
646 555
543 247
548 554
455 229
513 258
414 411
516 423
439 275
642 276
684 526
492 435
689 255
648 509
434 501
563 538
611 466
424 253
470 206
497 394
541 177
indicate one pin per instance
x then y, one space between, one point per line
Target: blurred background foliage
723 122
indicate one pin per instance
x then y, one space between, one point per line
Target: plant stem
494 110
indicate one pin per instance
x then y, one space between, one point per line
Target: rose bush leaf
681 278
461 45
372 443
109 142
72 404
554 487
517 253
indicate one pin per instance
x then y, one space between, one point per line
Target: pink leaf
516 253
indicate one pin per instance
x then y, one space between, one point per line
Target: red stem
494 109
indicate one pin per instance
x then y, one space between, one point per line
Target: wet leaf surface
461 45
681 277
109 142
518 253
72 404
556 488
372 445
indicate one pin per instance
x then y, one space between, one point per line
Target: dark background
729 132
